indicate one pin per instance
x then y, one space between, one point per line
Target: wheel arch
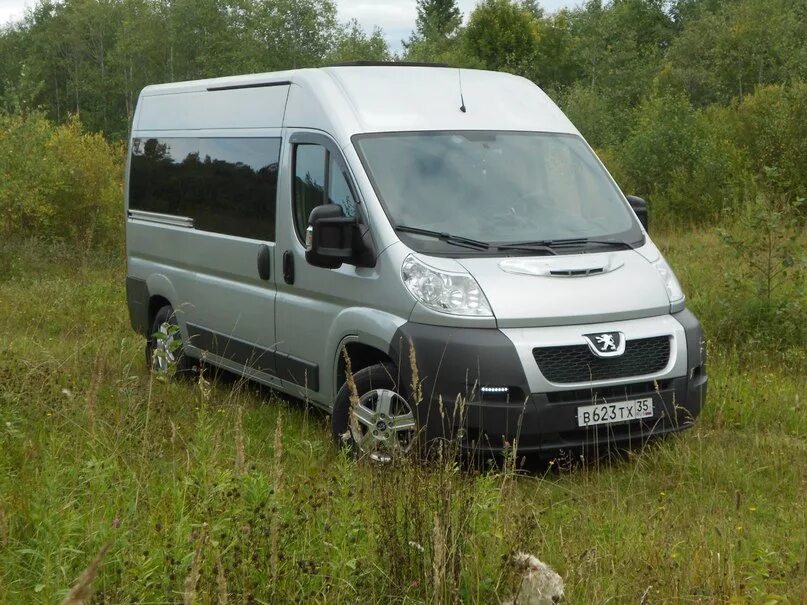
367 334
361 355
156 302
161 292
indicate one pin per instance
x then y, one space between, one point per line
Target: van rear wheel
164 351
381 424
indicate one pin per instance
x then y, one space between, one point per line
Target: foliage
435 39
502 35
353 44
767 287
770 126
91 57
59 183
698 105
178 476
723 52
603 125
676 156
724 272
437 18
620 46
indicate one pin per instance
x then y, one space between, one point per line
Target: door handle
264 262
288 267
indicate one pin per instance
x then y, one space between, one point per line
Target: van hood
571 289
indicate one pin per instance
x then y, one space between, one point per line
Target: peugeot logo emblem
606 344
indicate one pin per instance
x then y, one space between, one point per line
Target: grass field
224 493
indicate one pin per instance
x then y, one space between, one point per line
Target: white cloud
12 10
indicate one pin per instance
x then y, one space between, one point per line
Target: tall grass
221 492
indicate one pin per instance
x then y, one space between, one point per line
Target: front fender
368 326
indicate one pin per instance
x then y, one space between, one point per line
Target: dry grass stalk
95 384
439 559
203 385
277 476
351 383
192 580
4 526
81 591
221 582
417 388
240 456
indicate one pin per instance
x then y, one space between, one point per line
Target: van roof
351 99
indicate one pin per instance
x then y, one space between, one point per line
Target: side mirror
330 237
640 208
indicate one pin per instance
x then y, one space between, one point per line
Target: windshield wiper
552 244
456 240
528 247
607 242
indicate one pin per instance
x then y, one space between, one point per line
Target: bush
594 114
766 294
59 183
502 35
682 160
770 125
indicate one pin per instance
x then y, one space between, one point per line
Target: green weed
201 490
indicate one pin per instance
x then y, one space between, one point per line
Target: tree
621 46
534 8
503 35
92 57
437 18
353 44
436 35
724 54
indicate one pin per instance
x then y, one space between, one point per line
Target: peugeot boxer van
446 237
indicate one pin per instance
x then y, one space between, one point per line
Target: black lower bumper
548 421
455 365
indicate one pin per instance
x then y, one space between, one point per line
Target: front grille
576 363
609 393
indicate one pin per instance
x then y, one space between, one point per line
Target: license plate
606 413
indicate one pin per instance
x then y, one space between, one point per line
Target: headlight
455 293
674 291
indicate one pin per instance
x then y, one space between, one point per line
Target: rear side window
318 179
226 185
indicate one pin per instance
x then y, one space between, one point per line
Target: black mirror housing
331 237
639 206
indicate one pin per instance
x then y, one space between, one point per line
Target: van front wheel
378 421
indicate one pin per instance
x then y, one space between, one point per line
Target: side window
316 172
309 183
338 189
226 185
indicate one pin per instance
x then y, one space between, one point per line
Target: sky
395 17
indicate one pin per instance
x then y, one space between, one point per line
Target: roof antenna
463 109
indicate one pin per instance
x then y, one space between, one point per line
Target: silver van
446 237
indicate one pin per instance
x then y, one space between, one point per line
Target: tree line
91 57
700 105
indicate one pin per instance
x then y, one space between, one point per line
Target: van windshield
495 187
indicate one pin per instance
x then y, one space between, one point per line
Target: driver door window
316 172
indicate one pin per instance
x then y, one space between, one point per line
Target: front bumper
458 366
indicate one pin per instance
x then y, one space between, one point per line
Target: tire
165 322
382 425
